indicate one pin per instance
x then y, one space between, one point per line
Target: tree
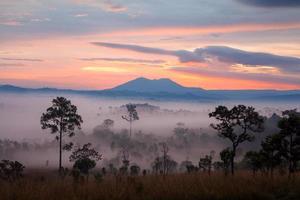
226 157
205 163
125 161
85 158
11 170
108 124
132 115
164 150
164 164
290 130
185 165
253 159
181 133
238 125
134 170
272 151
104 131
62 119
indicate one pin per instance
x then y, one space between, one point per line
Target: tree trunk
60 151
290 157
232 159
272 164
130 125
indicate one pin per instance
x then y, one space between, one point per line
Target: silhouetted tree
237 124
144 172
253 160
108 124
290 130
85 158
104 131
134 170
272 151
103 171
125 162
181 133
132 115
62 119
205 163
11 170
226 157
218 165
112 169
164 150
184 165
164 164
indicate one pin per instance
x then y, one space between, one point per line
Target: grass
44 185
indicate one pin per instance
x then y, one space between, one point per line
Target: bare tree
164 150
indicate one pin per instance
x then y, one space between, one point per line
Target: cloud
106 5
221 53
10 23
104 69
129 60
23 59
46 19
137 48
183 55
232 55
239 75
272 3
81 15
212 30
11 65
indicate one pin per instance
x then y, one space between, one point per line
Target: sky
99 44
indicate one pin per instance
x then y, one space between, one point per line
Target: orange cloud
226 83
203 30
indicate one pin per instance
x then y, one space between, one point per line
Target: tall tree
290 129
62 119
132 115
237 124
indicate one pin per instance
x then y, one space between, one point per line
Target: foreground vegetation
45 185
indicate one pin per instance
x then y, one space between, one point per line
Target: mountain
11 88
165 89
145 85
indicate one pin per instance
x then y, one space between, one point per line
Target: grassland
44 185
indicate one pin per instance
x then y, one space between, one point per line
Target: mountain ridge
165 89
142 84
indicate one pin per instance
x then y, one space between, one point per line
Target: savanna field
39 184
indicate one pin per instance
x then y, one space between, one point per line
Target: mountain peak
143 85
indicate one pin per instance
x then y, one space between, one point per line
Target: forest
248 156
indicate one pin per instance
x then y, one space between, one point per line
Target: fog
20 121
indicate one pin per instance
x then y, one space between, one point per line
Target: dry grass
45 185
